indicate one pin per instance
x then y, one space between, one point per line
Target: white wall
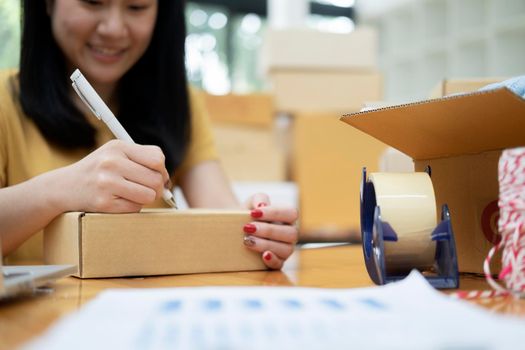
424 41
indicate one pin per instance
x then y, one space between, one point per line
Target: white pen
89 96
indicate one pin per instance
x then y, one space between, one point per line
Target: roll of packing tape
408 204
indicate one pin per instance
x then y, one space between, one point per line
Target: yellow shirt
25 153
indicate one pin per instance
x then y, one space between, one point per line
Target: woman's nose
112 23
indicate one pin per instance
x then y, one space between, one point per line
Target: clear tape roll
408 204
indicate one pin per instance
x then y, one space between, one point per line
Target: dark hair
153 95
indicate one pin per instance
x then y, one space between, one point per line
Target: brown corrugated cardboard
327 162
299 90
455 86
250 153
152 242
250 110
313 49
461 137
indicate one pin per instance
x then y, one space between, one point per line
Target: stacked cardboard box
250 153
245 136
248 110
316 71
316 77
327 166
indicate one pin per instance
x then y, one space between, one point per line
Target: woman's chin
100 76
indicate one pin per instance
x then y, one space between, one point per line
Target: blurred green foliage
9 33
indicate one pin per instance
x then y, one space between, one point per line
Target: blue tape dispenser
400 231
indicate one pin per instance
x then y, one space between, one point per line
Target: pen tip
171 202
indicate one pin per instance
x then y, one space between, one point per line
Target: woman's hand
117 177
272 231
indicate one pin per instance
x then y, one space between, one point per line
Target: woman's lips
106 54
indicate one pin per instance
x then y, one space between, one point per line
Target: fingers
118 177
274 232
269 258
150 157
275 242
273 262
133 164
120 205
106 187
279 249
151 181
258 200
275 214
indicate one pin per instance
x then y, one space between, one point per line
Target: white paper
405 315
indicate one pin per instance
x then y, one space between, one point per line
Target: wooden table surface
330 267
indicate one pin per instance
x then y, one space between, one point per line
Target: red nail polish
260 205
256 213
267 256
249 228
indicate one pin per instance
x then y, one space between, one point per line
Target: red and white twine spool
511 224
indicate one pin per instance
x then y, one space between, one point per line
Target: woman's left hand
272 231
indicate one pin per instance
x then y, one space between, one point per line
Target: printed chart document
405 315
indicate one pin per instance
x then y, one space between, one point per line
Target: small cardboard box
313 49
327 162
329 90
152 242
461 137
250 153
455 86
249 110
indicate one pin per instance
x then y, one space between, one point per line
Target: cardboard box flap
459 124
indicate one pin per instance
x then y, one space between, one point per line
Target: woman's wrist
54 193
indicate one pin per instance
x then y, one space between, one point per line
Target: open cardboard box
461 137
152 242
457 86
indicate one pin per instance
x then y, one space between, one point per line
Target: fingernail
249 228
262 204
256 213
267 256
249 241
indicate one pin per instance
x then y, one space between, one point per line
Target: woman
56 157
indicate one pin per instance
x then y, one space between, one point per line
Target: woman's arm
26 208
206 186
272 231
116 178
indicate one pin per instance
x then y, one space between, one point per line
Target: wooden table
332 267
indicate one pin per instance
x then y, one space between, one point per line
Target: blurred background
276 75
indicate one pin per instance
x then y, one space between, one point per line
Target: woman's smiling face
103 38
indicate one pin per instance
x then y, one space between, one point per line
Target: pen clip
85 100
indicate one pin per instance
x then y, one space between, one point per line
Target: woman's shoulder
196 99
8 84
8 92
193 94
7 76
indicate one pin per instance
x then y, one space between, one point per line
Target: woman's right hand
118 177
